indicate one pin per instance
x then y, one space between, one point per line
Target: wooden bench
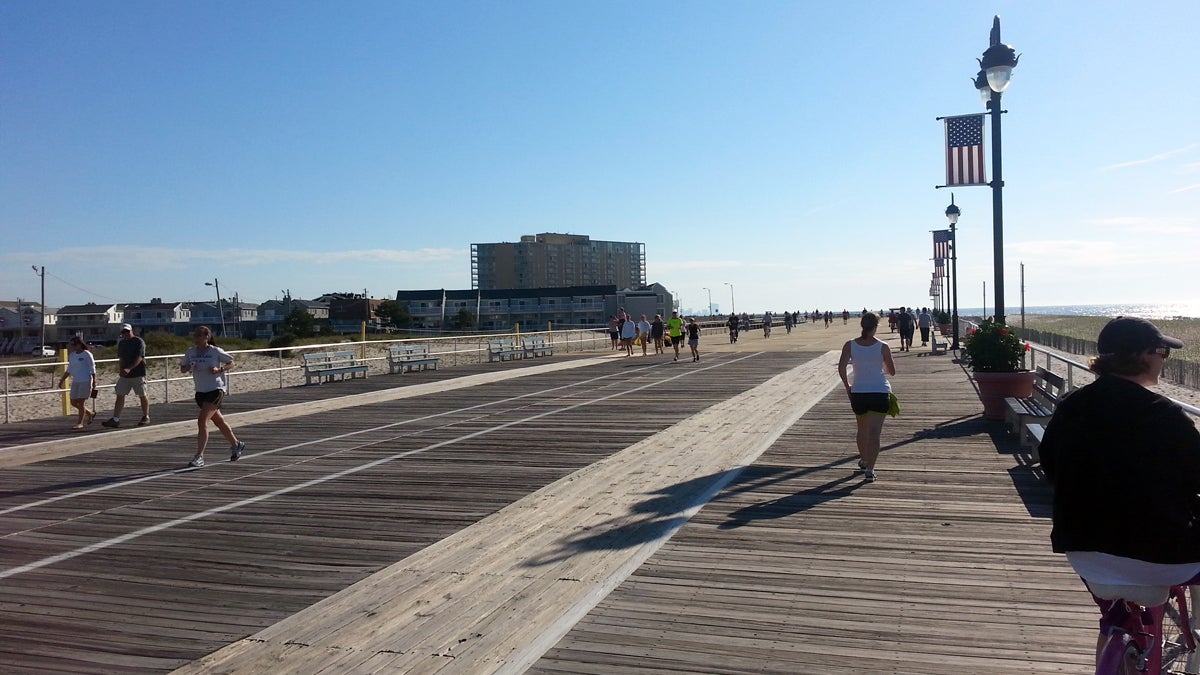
935 346
1031 437
499 350
1048 388
536 346
405 358
320 366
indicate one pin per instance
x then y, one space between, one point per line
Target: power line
93 293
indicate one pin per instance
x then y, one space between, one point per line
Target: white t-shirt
644 327
202 362
81 366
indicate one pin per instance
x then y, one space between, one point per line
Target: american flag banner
941 245
964 150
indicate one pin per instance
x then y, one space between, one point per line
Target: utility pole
42 274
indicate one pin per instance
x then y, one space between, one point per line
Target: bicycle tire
1175 652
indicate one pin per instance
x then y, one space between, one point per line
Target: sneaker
861 467
235 451
197 462
144 421
870 476
111 423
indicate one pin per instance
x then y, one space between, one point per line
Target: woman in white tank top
869 393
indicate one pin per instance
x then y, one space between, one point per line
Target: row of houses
435 310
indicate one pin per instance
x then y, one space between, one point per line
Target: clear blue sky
787 148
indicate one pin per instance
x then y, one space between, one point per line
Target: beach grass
1088 327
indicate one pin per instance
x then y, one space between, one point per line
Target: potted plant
996 355
942 318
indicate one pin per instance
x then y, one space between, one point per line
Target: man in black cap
1125 464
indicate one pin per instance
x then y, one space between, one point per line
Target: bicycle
1150 640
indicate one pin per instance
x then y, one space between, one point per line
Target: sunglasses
1162 351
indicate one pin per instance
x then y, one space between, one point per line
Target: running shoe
869 476
235 451
110 423
145 420
196 462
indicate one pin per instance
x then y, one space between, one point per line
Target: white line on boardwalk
114 541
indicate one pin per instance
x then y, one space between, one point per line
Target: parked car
43 351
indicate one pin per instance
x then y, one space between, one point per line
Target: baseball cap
127 327
1129 335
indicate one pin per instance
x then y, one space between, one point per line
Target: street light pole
732 304
710 312
216 284
952 214
42 274
995 72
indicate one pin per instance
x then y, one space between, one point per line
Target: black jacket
1125 464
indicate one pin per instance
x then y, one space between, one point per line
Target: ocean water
1144 310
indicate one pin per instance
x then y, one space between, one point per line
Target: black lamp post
995 71
952 213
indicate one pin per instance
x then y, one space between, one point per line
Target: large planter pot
995 387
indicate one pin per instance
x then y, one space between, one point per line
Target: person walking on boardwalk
628 333
693 338
924 322
1125 465
131 353
208 364
904 321
614 331
870 393
643 336
675 331
733 328
81 368
657 330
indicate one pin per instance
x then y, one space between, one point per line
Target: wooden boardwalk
565 515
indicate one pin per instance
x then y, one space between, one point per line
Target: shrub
994 348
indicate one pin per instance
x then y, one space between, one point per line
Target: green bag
893 405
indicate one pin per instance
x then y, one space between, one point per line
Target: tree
299 322
464 320
394 313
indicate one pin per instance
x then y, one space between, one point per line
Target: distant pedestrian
693 336
614 331
787 322
845 316
131 355
657 330
675 331
768 319
81 369
628 334
924 321
906 322
208 364
643 336
870 394
733 328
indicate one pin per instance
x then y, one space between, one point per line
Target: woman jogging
1125 465
81 368
693 336
870 394
208 364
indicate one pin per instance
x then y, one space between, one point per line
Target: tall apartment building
557 261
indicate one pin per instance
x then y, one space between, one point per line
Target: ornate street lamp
732 306
995 72
952 213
